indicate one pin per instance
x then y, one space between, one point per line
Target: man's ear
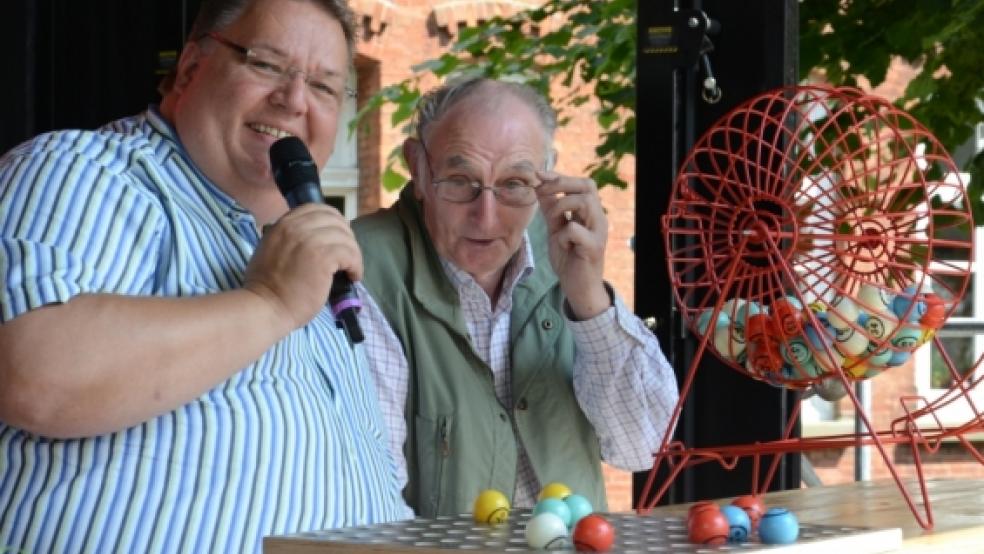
412 154
188 63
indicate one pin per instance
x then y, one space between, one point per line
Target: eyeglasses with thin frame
275 68
459 189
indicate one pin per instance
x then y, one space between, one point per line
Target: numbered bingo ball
753 506
701 506
739 524
707 525
842 313
787 312
491 506
546 531
778 526
594 534
556 507
555 490
579 507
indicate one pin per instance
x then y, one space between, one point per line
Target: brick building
395 35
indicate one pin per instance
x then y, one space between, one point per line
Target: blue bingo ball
704 320
747 310
779 526
554 506
579 507
904 300
739 524
898 358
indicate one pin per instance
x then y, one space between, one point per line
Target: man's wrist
591 308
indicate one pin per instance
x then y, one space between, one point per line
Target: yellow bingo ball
559 491
491 506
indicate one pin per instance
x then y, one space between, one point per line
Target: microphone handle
345 304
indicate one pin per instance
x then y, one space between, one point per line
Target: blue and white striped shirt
293 442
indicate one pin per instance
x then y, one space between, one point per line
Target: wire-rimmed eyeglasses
326 88
459 189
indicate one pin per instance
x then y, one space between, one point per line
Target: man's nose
293 91
485 207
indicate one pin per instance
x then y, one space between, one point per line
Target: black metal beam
755 50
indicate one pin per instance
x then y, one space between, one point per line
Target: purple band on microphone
347 303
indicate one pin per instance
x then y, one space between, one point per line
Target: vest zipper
445 442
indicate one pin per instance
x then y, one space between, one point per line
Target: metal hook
711 92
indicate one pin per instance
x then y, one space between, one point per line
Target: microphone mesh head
291 163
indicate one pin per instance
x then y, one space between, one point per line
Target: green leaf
392 179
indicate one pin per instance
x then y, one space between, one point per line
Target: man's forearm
101 363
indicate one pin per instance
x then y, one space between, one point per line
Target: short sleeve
73 219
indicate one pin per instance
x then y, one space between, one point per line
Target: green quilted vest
460 438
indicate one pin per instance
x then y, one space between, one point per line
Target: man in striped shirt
170 380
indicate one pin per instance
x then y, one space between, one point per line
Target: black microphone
297 178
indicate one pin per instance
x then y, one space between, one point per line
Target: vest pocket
433 452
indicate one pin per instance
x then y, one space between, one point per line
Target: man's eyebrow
458 161
524 165
321 71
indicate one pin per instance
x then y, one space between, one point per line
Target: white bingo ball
732 307
546 531
851 342
875 300
842 313
723 342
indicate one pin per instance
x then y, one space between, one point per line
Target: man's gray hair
438 102
215 15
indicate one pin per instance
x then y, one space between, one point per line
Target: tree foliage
943 38
586 46
589 46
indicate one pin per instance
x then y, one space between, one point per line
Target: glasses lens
516 194
266 65
276 69
457 190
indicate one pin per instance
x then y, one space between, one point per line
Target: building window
340 176
962 338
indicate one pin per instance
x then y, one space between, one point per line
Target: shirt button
502 416
522 404
547 324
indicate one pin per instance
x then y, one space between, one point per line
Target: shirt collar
157 121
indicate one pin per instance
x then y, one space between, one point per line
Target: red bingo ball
701 506
593 533
708 526
753 506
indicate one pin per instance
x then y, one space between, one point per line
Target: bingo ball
830 389
701 506
753 506
707 525
579 507
704 320
594 534
556 507
546 531
842 313
778 526
739 524
555 490
491 506
787 312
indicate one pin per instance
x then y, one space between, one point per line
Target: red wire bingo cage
818 237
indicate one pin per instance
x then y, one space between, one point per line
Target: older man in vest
502 358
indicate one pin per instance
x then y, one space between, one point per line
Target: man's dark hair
216 15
